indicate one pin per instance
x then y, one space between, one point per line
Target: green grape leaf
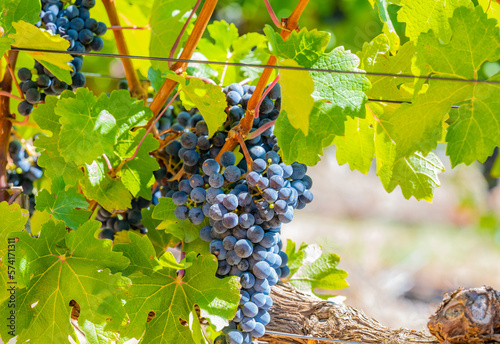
297 87
50 159
15 10
227 45
156 78
30 37
160 239
91 126
356 148
59 267
172 298
13 220
137 174
65 204
110 193
207 98
167 18
336 95
182 229
417 126
417 175
314 269
423 15
376 58
5 44
305 47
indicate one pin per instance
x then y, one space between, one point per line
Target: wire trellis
237 64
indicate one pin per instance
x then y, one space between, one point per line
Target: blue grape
230 220
245 99
243 265
270 239
244 297
210 166
234 98
230 202
227 159
237 88
261 270
259 330
250 309
255 234
219 228
247 324
299 170
32 96
270 195
196 216
101 29
247 280
88 3
306 197
259 299
263 317
234 337
229 242
198 195
257 152
216 180
266 106
97 44
24 108
78 80
212 193
244 199
243 248
272 157
263 183
275 92
179 197
217 212
232 173
232 258
253 178
246 220
24 74
191 157
188 140
274 170
205 233
276 182
262 286
223 268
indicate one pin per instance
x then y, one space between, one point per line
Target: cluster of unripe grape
244 208
73 23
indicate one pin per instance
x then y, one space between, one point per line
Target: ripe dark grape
24 74
24 108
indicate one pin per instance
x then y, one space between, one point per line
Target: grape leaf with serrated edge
59 267
207 98
5 43
30 37
64 203
182 229
50 159
13 220
157 288
15 10
110 193
336 95
228 46
137 174
476 40
166 21
424 15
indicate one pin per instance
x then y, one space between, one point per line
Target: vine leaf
110 193
167 17
423 15
182 229
160 239
91 126
50 159
356 148
227 45
376 57
13 220
473 136
297 87
59 267
492 8
336 95
158 288
207 98
5 44
137 174
30 37
314 269
15 10
65 204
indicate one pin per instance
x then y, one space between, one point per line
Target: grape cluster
23 169
73 23
245 208
129 220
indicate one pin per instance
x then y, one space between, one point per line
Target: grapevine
156 210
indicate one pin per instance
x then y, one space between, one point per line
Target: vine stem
113 172
275 19
248 158
11 71
179 37
179 67
289 25
207 80
10 95
117 27
266 92
136 89
6 124
260 130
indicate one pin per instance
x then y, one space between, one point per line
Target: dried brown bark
299 313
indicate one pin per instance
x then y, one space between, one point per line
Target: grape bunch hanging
245 208
73 23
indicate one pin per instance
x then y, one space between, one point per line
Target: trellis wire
292 335
95 75
236 64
